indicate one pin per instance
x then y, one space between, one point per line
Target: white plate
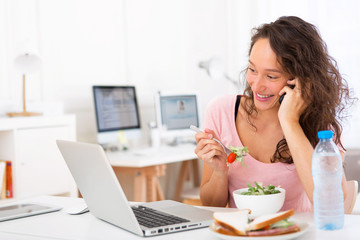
303 228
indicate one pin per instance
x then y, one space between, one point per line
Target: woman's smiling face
265 75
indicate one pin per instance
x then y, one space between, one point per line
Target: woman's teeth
263 96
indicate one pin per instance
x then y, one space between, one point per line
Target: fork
196 129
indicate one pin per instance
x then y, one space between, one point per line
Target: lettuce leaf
282 224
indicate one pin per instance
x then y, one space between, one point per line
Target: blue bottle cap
326 134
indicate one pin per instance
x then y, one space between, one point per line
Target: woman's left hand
293 104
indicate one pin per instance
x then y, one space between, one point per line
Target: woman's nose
257 84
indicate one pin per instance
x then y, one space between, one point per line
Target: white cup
155 137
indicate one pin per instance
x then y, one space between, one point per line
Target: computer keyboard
150 218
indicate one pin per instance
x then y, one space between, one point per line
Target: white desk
165 154
60 225
147 168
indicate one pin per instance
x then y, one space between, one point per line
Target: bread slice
222 229
268 219
233 221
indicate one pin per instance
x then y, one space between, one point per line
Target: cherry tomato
231 158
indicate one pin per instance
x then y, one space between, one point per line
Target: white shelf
37 165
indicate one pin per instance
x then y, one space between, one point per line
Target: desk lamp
25 63
215 69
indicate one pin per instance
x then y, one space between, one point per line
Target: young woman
288 57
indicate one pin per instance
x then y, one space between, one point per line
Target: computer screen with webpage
179 112
116 109
175 114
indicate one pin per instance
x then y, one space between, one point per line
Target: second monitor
175 113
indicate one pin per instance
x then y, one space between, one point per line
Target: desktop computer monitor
175 112
116 111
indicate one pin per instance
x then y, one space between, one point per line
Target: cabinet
37 165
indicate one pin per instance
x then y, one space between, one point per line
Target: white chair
352 191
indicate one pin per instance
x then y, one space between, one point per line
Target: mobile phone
281 98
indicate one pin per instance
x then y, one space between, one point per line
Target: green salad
259 189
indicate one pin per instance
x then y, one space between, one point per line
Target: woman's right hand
210 151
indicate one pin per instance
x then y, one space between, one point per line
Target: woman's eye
271 77
251 69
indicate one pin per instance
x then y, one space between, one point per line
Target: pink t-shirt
220 117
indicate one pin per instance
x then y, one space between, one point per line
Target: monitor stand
110 141
118 140
176 141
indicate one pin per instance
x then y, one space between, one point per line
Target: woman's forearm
301 152
214 192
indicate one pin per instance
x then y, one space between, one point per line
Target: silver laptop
106 200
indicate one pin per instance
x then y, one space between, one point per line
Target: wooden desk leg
151 188
160 172
195 168
146 182
140 186
181 179
184 173
159 193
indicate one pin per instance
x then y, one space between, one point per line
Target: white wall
82 45
165 41
154 45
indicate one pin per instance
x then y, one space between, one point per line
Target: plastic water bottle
327 174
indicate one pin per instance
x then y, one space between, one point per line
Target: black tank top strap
238 97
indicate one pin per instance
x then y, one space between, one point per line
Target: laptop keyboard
150 218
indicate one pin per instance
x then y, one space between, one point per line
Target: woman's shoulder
219 106
220 111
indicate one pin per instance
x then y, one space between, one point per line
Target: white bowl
259 204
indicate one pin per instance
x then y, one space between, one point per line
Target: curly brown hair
302 53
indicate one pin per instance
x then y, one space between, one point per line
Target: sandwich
231 223
238 223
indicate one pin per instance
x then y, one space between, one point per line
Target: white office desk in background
148 167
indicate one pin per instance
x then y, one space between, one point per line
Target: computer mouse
76 209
